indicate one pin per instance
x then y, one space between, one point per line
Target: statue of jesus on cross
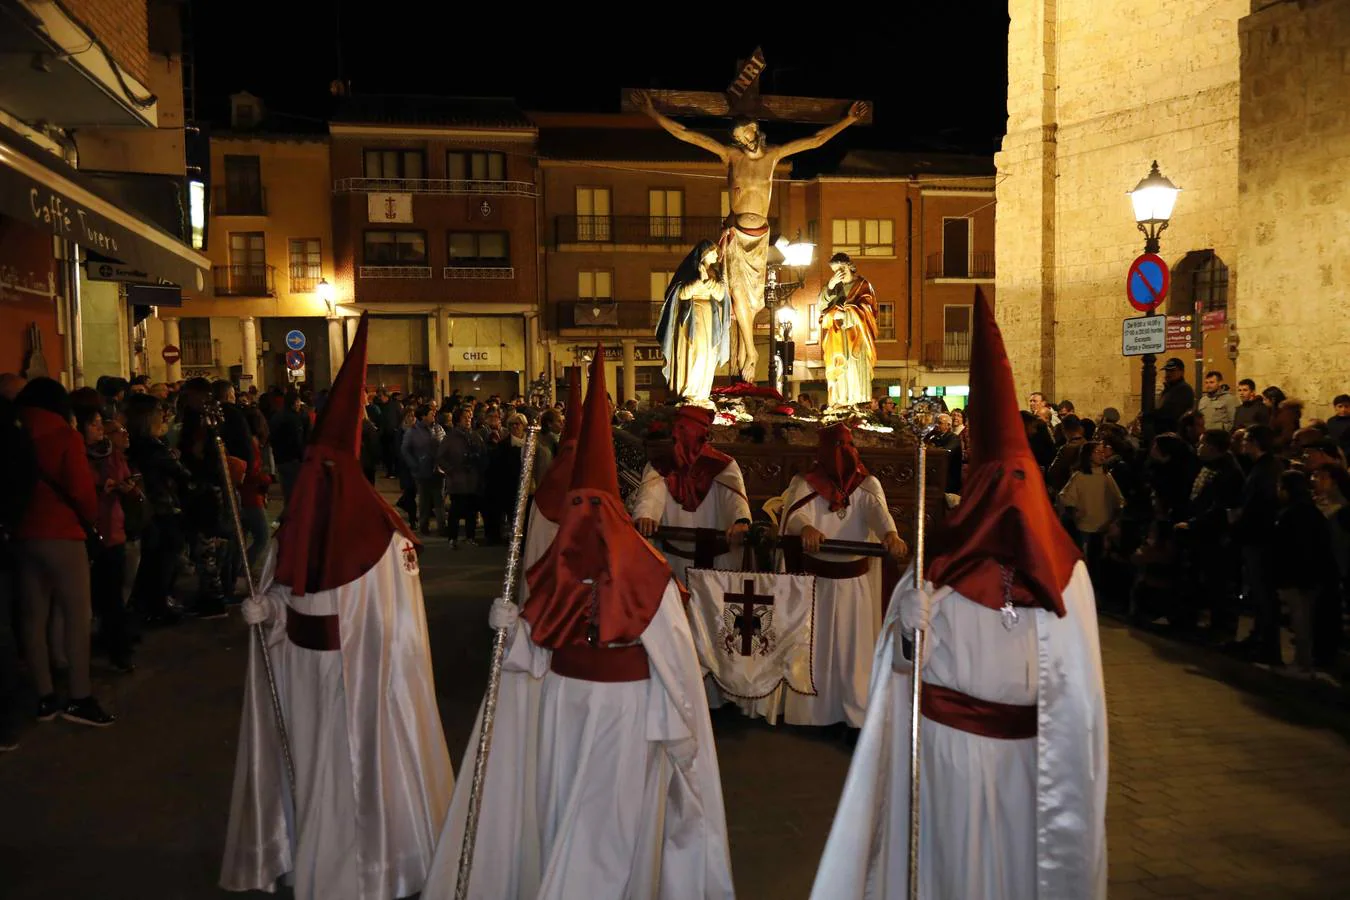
750 165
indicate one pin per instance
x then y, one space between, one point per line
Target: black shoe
8 742
122 664
87 712
47 708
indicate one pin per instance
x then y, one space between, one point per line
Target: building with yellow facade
268 235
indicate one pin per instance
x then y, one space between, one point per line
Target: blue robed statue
694 329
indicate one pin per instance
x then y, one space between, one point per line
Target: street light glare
798 254
1154 197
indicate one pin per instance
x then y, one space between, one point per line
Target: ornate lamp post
796 256
1153 199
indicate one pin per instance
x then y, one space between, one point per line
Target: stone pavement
1216 791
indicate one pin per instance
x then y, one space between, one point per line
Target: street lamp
795 255
325 292
1153 199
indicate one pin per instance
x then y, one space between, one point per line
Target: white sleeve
649 500
733 502
523 655
794 522
678 676
875 508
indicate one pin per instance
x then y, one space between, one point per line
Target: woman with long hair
51 550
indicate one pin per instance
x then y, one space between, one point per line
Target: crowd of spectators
1225 518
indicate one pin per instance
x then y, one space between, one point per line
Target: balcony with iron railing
677 230
393 271
444 186
231 200
606 315
305 279
952 353
961 266
251 280
479 272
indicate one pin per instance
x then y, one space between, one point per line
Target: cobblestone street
1216 791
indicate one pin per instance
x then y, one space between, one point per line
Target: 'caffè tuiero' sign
39 189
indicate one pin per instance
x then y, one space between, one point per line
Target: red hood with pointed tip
336 526
553 486
598 572
1005 524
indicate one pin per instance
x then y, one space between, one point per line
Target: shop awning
40 189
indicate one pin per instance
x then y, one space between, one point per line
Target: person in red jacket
53 561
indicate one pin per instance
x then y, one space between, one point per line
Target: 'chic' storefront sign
486 357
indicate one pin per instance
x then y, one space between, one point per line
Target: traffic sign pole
1146 286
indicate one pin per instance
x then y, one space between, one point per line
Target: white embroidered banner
753 630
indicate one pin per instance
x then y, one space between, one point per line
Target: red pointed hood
599 583
1005 523
839 469
339 424
336 526
693 465
553 487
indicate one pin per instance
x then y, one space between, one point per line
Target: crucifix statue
750 163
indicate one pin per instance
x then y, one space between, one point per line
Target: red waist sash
606 664
313 632
1002 721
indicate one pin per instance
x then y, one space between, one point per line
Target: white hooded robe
605 791
1001 819
373 772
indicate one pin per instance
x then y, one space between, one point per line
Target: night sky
937 76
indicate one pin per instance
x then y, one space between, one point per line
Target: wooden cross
742 98
747 623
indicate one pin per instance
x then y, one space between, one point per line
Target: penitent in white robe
848 611
724 504
606 791
373 772
1001 819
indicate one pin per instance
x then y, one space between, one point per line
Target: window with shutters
595 284
395 164
593 215
475 165
665 213
306 264
395 248
863 237
479 249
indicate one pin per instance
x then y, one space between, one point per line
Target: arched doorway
1200 290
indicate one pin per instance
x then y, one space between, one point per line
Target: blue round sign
1147 282
295 339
